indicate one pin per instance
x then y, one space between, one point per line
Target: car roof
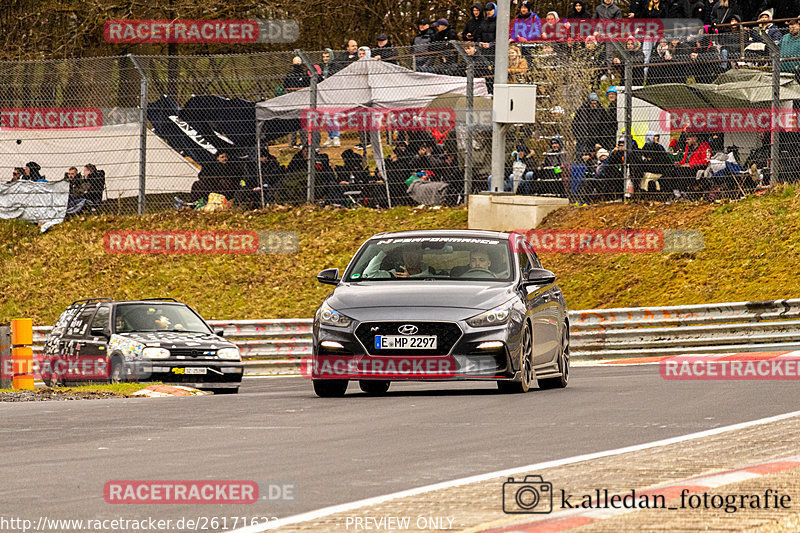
95 301
444 233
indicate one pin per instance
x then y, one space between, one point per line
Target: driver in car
479 259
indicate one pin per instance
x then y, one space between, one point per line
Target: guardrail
772 325
757 326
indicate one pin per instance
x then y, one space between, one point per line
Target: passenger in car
411 265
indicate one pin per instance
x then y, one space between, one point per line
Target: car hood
420 295
174 339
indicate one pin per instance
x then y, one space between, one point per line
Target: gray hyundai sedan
439 305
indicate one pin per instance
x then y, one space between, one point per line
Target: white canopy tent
369 83
113 149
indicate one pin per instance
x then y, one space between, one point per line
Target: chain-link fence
699 115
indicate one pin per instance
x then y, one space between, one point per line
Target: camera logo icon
532 495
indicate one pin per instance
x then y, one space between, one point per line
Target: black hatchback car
99 339
441 305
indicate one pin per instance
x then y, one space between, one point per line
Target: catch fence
701 116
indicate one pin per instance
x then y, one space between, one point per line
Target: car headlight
155 353
492 317
229 353
329 316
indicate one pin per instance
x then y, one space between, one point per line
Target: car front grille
184 353
447 334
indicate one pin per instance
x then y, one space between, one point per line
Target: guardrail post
469 116
775 154
142 133
310 137
627 190
22 353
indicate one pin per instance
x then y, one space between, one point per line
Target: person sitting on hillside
95 183
221 176
695 158
32 169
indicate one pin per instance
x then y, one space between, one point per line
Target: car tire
52 380
563 365
330 388
119 373
374 387
526 366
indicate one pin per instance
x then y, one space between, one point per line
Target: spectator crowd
425 167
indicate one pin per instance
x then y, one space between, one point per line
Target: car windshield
437 258
158 317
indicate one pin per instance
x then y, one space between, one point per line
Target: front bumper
464 361
218 373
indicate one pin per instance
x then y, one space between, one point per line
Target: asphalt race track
56 457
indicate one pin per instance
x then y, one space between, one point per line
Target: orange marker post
22 353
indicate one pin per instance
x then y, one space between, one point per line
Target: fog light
332 344
490 345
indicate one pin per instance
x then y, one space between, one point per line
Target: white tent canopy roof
113 149
369 83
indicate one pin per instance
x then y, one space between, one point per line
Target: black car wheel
526 366
563 365
53 380
374 387
118 372
330 388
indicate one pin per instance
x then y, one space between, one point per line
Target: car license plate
405 342
196 370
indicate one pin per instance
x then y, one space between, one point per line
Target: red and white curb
656 359
567 519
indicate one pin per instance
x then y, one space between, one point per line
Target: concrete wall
506 212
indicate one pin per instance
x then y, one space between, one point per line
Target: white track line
327 511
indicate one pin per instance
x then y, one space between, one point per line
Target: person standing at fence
421 41
578 11
587 124
384 51
349 56
783 9
766 27
473 25
296 79
790 47
327 70
488 31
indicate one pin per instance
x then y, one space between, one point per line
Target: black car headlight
492 317
329 316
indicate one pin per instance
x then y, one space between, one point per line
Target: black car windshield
157 316
436 258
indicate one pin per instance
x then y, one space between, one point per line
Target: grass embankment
751 252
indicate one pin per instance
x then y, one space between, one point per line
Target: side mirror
219 332
329 276
540 276
99 332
